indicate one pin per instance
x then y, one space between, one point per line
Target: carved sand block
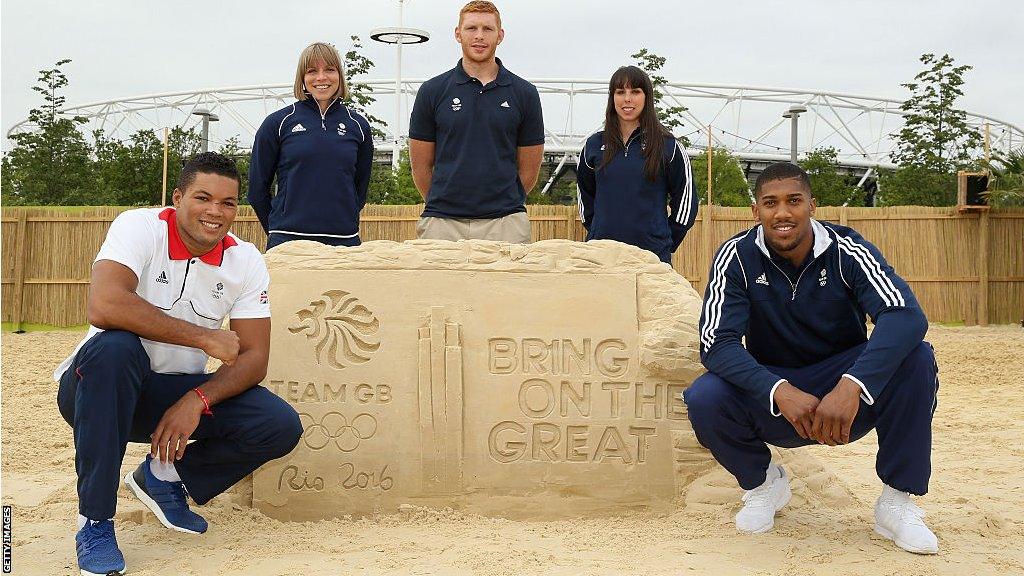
526 381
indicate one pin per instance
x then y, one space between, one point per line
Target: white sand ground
976 503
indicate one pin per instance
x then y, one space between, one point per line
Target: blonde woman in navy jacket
635 183
320 150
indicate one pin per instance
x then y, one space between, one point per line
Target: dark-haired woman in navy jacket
634 179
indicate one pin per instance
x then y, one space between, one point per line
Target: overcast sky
122 48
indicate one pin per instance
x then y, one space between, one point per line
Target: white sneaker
761 503
900 520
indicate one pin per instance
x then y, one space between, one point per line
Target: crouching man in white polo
162 284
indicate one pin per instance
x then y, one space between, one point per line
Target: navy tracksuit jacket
807 326
618 202
322 163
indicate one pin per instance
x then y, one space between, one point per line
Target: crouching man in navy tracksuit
798 290
162 283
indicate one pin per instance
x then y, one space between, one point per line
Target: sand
976 503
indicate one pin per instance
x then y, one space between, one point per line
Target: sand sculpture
536 380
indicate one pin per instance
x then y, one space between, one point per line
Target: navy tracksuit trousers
110 397
276 238
736 428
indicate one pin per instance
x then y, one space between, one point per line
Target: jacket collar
504 77
176 249
311 102
637 134
822 239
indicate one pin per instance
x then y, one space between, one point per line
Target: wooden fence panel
1006 266
935 249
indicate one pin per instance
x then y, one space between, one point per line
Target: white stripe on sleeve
716 293
281 125
683 213
873 271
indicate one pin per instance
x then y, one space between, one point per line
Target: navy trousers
736 428
110 397
276 238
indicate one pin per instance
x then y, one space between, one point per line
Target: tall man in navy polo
162 284
476 139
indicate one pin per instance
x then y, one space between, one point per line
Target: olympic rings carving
335 428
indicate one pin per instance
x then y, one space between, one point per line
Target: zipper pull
322 125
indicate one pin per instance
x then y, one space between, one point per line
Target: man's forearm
528 160
128 311
529 175
249 369
421 177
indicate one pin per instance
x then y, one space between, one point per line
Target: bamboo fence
963 267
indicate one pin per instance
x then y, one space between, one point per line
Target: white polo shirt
229 281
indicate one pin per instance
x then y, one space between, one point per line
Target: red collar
176 249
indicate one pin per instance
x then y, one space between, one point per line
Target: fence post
983 269
19 268
843 218
570 226
707 226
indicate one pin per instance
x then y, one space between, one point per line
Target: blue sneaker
165 499
97 550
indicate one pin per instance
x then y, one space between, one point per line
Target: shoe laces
168 492
906 509
96 535
759 497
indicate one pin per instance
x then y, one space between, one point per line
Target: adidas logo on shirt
298 128
762 279
505 104
162 278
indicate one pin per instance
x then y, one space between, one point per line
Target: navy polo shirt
477 131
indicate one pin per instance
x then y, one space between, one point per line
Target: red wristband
206 401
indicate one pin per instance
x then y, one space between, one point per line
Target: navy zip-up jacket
322 163
792 324
618 202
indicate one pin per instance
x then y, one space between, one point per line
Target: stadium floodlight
398 36
207 118
793 114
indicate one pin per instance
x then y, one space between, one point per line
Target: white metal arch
744 119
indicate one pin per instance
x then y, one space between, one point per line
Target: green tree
671 116
935 134
50 165
360 95
729 185
383 184
1006 181
232 149
830 187
389 186
915 186
127 173
181 145
562 191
